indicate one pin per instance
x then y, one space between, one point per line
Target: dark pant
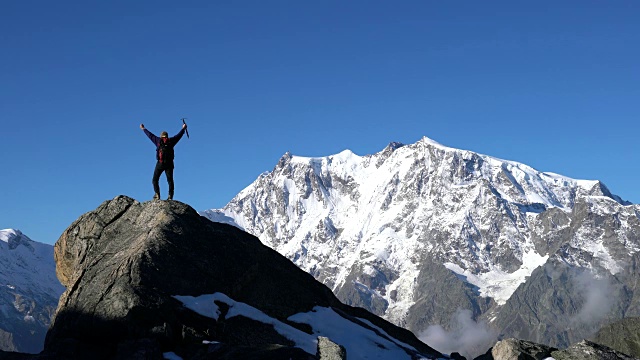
168 170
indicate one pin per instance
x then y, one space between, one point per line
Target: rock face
29 292
587 350
154 278
622 336
400 231
514 349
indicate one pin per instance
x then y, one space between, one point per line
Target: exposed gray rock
439 294
328 350
622 336
561 304
587 350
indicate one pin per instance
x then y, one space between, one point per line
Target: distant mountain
416 233
29 292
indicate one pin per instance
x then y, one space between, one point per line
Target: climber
164 154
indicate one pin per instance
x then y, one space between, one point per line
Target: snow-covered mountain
29 291
418 232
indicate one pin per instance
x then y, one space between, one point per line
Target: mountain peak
15 238
428 141
598 188
5 234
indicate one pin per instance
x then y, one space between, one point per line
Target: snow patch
204 305
302 340
171 356
427 141
587 184
7 234
370 270
380 330
598 250
360 342
498 284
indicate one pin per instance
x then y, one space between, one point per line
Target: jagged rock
328 350
514 349
623 336
128 268
587 350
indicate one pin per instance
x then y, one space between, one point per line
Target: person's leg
169 173
156 178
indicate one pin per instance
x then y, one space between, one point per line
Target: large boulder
514 349
154 279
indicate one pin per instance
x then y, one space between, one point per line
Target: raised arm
154 139
178 136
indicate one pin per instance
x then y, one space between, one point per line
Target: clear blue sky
555 85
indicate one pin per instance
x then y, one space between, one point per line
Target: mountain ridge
363 225
29 291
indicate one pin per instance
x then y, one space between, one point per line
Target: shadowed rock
123 263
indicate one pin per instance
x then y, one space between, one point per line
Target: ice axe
186 130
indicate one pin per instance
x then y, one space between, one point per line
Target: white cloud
598 296
467 337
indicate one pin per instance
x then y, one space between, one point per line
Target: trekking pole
186 130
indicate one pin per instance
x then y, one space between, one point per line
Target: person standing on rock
164 154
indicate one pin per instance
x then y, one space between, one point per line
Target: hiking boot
170 197
156 196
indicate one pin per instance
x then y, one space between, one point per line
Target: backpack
165 152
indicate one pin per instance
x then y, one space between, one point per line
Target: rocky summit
156 280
